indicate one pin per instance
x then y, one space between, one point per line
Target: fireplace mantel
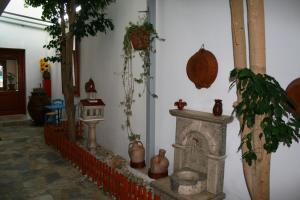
202 116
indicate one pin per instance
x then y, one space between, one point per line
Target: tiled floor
29 169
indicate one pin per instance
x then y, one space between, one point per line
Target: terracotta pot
136 153
140 39
217 109
36 105
46 75
159 165
293 93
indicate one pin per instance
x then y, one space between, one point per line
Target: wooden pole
256 27
238 34
240 61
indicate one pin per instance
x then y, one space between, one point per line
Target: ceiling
3 4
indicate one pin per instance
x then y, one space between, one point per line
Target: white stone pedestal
91 141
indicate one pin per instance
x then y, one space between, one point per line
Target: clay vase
159 165
217 109
136 153
36 105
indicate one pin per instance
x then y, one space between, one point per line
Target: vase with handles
217 109
136 153
159 165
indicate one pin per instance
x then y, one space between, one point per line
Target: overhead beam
3 4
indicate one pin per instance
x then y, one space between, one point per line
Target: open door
12 81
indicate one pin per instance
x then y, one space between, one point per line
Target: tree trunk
256 27
66 68
69 89
240 61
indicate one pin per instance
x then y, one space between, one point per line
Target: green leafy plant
128 79
11 77
263 95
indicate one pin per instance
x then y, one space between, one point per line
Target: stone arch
204 131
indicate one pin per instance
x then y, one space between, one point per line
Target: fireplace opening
196 151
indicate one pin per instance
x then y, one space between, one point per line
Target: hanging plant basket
140 39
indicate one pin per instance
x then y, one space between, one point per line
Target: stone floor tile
44 197
31 170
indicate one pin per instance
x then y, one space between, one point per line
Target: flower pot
46 75
140 39
11 86
136 153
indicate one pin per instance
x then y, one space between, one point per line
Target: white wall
186 25
13 35
32 40
101 60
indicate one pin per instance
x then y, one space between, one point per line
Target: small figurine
180 104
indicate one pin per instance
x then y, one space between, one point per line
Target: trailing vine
128 79
263 95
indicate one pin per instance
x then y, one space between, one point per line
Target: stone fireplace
200 145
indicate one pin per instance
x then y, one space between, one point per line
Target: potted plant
263 96
138 38
11 77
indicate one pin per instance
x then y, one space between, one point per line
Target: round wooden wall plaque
202 68
293 92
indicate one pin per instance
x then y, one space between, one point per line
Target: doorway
12 81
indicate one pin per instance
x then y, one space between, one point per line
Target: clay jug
136 153
217 109
159 164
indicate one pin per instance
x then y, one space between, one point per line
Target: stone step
15 120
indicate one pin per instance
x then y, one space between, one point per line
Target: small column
91 143
91 112
215 173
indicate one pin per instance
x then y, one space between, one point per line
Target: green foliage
262 95
89 20
11 77
128 79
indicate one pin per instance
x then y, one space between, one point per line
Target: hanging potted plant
138 38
